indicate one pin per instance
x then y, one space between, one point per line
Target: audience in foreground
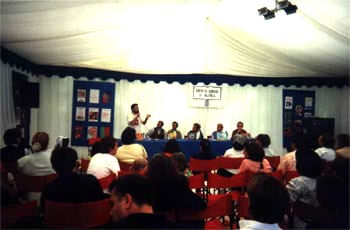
70 186
132 199
268 202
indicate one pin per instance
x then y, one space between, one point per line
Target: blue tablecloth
188 147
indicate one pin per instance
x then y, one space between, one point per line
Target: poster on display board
297 105
93 111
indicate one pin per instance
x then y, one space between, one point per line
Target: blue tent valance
77 72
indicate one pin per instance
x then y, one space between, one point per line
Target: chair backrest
106 181
84 164
236 181
196 181
204 165
278 175
230 163
80 215
274 161
13 213
27 183
290 175
220 207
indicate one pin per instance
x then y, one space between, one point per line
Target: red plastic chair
278 175
274 161
81 215
106 181
84 164
220 207
230 163
197 182
27 183
290 175
13 213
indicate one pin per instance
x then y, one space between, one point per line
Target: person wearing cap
238 142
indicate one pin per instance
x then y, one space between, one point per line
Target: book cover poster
308 102
92 132
105 131
94 96
81 96
93 114
288 103
78 132
80 113
106 97
106 115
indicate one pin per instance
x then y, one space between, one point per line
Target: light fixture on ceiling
285 5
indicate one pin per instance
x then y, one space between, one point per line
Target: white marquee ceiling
181 36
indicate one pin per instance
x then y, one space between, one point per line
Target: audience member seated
9 193
171 147
240 130
303 188
326 151
139 166
333 196
174 133
219 134
268 202
204 151
130 151
341 168
132 199
238 142
180 162
158 132
264 141
195 133
70 186
288 162
255 159
171 189
104 163
12 152
38 163
343 146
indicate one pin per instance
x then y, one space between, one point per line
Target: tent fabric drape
7 108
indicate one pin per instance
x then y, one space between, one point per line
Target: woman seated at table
130 151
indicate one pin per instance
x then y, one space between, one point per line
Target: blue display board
297 105
93 111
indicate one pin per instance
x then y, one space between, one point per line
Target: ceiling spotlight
285 5
291 9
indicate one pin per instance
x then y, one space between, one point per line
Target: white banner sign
207 92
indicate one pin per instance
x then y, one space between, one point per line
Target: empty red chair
230 163
80 215
197 182
204 165
106 181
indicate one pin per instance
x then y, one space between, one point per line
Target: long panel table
188 147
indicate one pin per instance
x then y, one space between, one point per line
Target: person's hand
148 116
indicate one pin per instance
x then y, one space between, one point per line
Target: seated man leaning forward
132 199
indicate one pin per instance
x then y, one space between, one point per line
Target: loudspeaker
315 126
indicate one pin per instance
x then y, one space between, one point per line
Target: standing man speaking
135 121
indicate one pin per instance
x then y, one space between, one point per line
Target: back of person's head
308 163
264 140
179 160
332 192
139 165
128 136
11 136
238 142
268 199
205 147
161 168
303 142
95 148
327 140
341 168
343 140
254 151
106 144
172 146
40 141
136 185
63 160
